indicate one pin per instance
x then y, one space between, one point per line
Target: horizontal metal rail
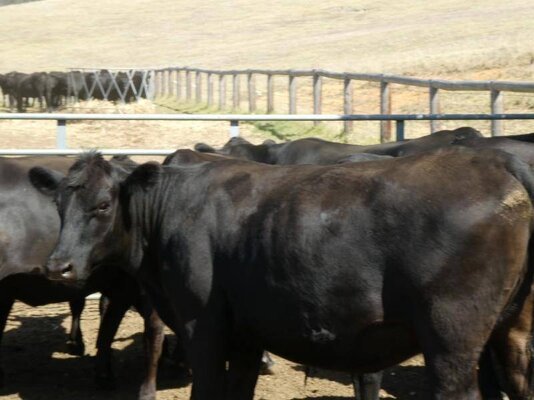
263 117
234 119
72 152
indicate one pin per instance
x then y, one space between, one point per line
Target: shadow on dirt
402 382
37 367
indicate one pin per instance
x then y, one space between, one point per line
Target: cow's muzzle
58 270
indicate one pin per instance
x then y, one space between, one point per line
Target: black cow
522 149
57 87
322 152
9 84
343 267
4 94
28 233
32 86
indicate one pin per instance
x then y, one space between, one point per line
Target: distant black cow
322 152
345 268
57 88
9 83
32 86
28 233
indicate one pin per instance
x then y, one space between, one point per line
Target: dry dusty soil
38 367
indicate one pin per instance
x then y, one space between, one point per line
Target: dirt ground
37 366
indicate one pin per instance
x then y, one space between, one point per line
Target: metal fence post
347 104
434 108
61 134
317 96
497 107
400 130
385 109
234 128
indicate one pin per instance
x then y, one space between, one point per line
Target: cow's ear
269 142
45 180
144 176
204 148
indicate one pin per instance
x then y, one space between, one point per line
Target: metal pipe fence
233 119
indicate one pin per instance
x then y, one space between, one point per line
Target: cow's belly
339 328
379 346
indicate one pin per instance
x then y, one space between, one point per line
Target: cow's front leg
109 325
75 343
5 309
153 346
244 368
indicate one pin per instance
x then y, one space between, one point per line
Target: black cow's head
88 201
240 148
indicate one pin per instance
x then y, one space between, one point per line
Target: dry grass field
487 39
449 39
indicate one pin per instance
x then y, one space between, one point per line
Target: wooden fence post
292 94
209 83
188 88
270 94
235 93
385 109
317 96
198 87
166 74
222 92
178 88
251 93
169 82
347 104
497 107
434 108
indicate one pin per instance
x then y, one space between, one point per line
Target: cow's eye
103 207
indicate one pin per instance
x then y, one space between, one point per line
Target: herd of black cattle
338 256
51 89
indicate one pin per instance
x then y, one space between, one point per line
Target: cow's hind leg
512 350
367 386
487 377
75 342
5 308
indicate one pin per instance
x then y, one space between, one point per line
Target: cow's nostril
67 271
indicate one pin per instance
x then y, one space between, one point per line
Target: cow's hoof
267 368
105 382
147 392
75 348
